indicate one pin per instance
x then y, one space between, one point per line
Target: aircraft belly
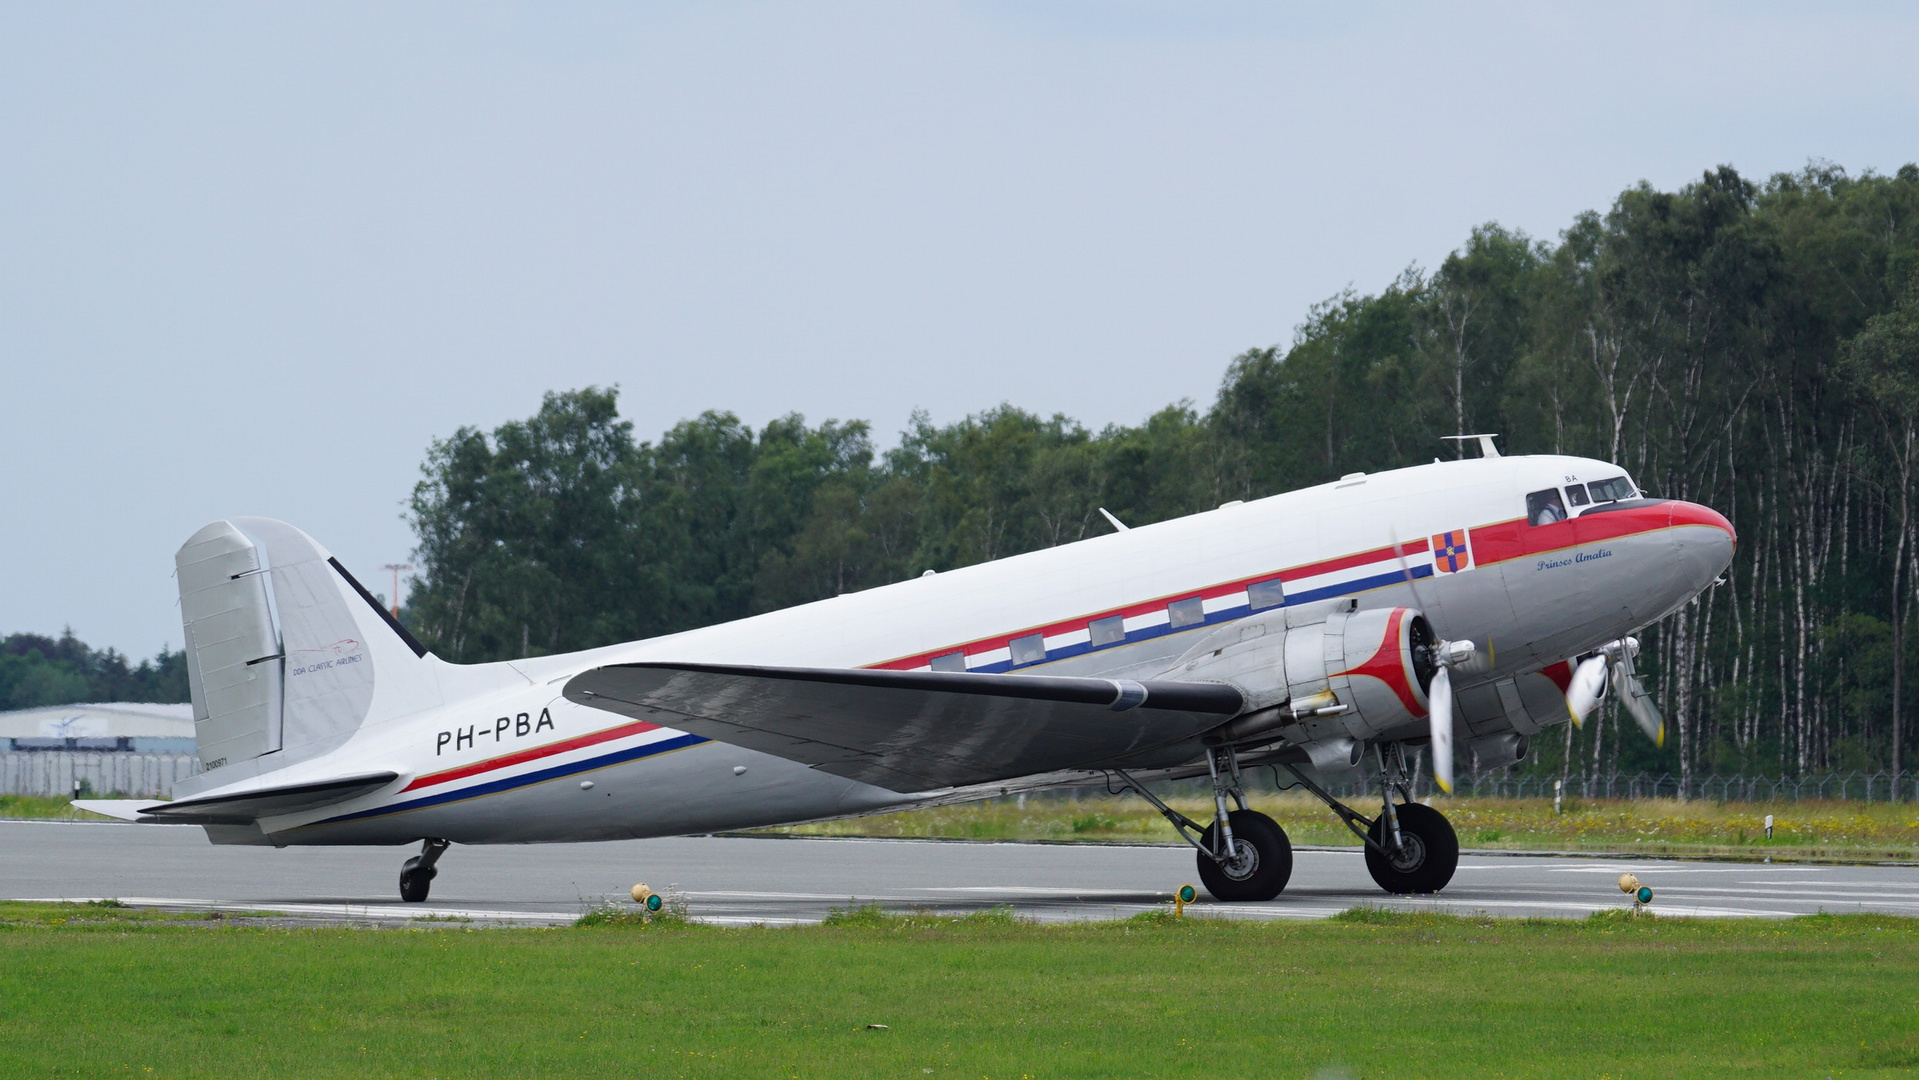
693 790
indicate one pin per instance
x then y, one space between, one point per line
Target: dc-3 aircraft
1334 628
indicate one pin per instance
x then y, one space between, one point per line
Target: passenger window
1265 594
1612 490
1544 507
1030 649
1107 631
1576 494
953 661
1188 612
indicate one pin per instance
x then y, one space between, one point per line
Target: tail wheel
415 880
1428 854
1262 862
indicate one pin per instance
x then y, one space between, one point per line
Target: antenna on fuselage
1117 523
1486 447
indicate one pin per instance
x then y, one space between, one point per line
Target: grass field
1838 830
98 991
42 807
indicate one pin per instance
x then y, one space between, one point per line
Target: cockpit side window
1545 507
1576 494
1613 490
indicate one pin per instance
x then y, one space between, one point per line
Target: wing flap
911 730
247 807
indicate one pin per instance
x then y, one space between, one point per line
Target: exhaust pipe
1335 755
1499 751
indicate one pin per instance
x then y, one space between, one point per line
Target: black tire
1266 854
1431 851
416 880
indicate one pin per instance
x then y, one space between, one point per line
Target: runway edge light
1185 895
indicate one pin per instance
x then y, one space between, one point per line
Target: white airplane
1318 631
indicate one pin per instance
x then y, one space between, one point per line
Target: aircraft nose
1704 539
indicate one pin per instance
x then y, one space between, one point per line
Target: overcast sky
254 258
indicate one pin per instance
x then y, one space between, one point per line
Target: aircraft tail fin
286 653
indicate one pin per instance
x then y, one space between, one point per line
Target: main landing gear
1410 848
1243 854
417 873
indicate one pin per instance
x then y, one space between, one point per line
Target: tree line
1749 345
37 670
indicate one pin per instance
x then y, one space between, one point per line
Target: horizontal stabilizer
247 807
912 730
124 809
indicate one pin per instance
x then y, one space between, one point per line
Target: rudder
283 646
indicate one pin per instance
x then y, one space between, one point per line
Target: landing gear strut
417 874
1410 848
1243 854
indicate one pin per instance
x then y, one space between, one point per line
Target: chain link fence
1840 786
1846 786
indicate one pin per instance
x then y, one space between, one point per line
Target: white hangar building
133 727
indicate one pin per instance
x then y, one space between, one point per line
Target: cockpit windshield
1612 490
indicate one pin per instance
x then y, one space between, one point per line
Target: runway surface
738 880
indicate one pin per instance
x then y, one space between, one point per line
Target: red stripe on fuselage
1508 540
532 754
1003 641
1347 562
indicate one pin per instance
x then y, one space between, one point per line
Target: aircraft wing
246 807
911 730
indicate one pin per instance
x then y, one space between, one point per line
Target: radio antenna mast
1486 447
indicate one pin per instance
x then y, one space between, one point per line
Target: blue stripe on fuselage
508 783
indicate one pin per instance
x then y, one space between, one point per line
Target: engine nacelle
1326 672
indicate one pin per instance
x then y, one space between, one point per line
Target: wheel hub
1244 863
1411 854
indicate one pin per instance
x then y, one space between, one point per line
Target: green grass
116 992
1803 830
44 806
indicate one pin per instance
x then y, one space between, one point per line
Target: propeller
1447 655
1589 681
1440 711
1439 705
1634 696
1587 687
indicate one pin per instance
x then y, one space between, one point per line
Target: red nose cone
1685 513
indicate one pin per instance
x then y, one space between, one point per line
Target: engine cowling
1328 674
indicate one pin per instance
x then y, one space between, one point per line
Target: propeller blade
1587 685
1406 569
1640 704
1440 701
